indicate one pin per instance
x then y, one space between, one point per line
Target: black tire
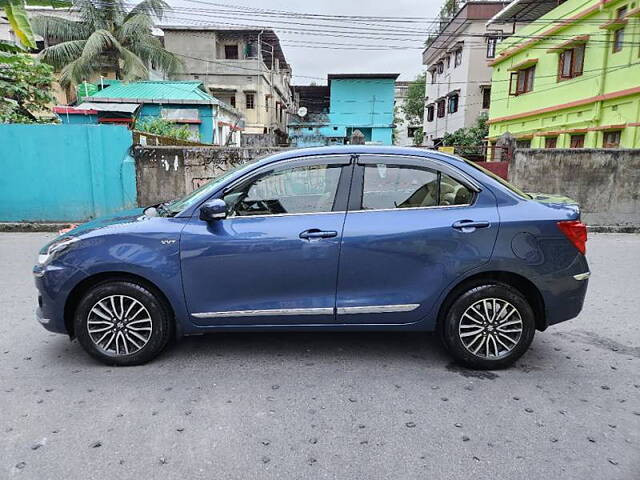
497 356
157 331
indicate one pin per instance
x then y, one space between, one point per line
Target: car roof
361 150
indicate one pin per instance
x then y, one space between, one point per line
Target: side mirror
215 209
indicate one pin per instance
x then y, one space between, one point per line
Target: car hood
120 218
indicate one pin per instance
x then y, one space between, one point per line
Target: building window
266 103
231 52
492 44
448 62
618 35
523 143
433 76
571 62
486 97
440 67
611 139
522 81
550 142
430 111
577 141
411 131
453 103
233 101
458 57
441 108
250 101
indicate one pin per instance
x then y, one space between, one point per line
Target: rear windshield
501 180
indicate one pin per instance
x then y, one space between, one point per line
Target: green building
571 78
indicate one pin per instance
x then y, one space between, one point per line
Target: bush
165 128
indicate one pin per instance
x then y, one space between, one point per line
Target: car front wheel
489 326
122 323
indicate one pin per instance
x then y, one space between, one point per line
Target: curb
22 227
614 228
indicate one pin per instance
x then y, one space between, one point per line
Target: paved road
344 406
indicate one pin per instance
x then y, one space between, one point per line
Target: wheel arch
74 297
522 284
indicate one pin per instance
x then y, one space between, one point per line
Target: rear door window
393 186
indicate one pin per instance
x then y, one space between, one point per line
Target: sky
331 48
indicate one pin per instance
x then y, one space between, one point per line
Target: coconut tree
106 36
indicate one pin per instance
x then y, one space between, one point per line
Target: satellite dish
302 111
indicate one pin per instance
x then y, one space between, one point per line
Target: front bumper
50 282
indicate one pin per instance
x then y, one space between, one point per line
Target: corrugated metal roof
156 92
109 107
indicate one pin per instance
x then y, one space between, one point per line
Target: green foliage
413 107
418 137
108 37
165 128
472 137
25 91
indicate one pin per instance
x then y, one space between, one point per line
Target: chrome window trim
260 313
378 309
410 208
283 215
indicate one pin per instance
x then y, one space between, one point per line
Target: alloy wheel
490 328
119 325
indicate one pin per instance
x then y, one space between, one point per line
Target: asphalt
343 406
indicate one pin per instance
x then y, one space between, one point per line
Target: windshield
204 191
501 180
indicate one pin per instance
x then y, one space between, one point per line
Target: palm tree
106 37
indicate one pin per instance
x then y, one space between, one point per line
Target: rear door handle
314 233
470 225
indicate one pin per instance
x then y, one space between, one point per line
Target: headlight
49 252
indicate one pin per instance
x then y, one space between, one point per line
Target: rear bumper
565 298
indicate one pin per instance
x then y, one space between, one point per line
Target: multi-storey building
571 79
244 68
458 79
362 102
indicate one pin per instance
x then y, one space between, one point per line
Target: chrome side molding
582 276
378 309
310 311
261 313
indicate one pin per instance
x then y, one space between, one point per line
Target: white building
458 84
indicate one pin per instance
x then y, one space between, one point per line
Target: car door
274 259
413 226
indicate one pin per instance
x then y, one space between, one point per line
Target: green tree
16 14
107 37
164 128
25 91
471 137
413 107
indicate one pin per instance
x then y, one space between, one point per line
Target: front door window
304 189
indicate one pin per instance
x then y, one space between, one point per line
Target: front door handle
314 233
469 226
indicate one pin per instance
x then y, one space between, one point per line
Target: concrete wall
65 172
606 183
166 173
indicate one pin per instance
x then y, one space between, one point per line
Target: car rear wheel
489 326
122 323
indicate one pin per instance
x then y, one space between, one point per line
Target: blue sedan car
336 238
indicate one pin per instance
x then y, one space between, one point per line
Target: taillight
576 232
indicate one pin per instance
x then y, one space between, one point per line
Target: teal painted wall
364 103
65 172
